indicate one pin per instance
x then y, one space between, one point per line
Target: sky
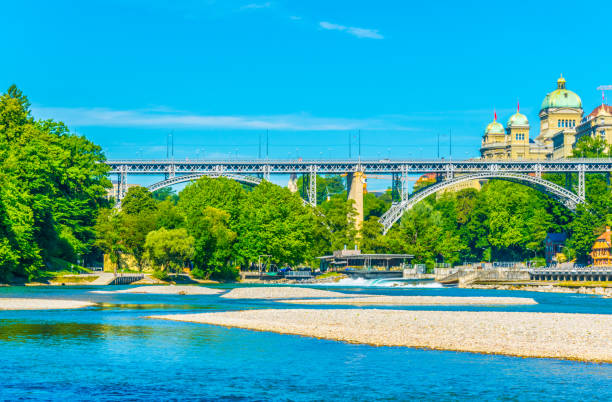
311 76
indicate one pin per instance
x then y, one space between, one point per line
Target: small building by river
354 259
602 249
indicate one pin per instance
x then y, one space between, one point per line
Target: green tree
221 193
169 250
591 147
339 219
19 254
274 221
168 215
110 238
327 186
214 241
138 199
165 193
63 175
374 206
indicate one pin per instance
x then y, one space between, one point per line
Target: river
113 352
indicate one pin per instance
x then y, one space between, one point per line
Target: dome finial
561 82
494 115
518 106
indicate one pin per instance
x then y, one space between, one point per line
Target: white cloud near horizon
355 31
166 118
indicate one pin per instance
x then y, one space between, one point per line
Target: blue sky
219 73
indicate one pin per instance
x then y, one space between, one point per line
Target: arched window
558 123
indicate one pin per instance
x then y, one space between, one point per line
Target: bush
223 274
162 275
199 273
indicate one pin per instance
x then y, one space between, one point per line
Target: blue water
113 352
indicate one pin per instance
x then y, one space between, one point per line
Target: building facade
598 124
553 245
602 249
560 113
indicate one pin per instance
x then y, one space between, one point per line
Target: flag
495 115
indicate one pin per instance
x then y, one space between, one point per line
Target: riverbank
593 288
164 290
585 337
41 304
417 301
281 292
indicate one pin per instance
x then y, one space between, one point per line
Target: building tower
517 136
560 113
494 141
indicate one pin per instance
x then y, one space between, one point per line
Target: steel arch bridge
194 176
527 172
561 194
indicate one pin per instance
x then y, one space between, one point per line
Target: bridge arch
194 176
561 194
251 180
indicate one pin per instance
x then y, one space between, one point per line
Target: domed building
494 140
560 114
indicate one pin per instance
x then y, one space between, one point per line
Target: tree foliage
169 250
59 182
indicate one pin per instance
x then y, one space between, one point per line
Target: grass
73 279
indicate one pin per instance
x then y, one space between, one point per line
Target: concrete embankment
585 337
467 276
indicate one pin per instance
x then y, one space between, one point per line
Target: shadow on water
16 331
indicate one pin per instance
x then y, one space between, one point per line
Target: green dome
518 119
495 128
561 97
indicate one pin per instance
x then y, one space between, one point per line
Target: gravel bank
276 292
165 290
419 301
40 304
585 337
591 290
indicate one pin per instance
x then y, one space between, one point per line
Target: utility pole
349 143
450 143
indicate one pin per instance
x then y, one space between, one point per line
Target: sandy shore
549 288
40 304
585 337
165 290
418 301
275 292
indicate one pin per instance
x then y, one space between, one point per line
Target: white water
381 283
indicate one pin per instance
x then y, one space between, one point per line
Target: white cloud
165 118
255 6
358 32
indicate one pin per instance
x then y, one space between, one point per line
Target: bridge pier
355 182
292 185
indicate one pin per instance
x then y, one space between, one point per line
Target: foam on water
381 283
